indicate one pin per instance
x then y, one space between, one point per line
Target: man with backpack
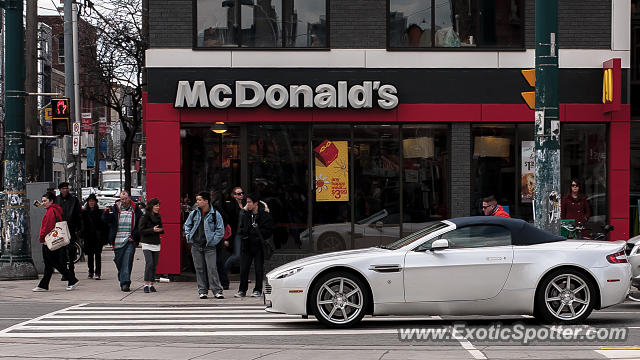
204 229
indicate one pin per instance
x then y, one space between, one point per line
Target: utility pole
32 114
68 69
547 124
16 262
76 94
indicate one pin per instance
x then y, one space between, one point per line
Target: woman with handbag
150 229
93 234
53 259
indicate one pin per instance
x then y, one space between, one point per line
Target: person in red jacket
490 207
574 205
52 259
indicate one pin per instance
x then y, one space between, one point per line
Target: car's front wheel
339 299
565 296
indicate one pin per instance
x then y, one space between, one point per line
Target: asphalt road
193 331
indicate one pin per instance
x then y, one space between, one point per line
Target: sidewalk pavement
107 290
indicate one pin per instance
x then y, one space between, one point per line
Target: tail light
618 258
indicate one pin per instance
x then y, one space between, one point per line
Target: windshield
111 185
416 236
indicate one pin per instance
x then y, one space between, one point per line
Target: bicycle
577 232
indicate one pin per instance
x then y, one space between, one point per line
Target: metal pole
547 124
68 61
76 92
16 262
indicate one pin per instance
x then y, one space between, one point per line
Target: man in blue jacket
123 218
204 229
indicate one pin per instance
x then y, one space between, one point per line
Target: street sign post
76 138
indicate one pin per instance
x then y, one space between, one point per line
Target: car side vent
387 268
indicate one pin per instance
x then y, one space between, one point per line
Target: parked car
464 266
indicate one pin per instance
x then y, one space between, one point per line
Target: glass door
376 167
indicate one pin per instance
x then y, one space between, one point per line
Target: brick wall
358 24
460 188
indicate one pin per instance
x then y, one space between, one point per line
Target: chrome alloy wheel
567 296
340 300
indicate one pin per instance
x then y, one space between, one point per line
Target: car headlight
288 273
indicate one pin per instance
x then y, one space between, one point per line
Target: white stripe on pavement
202 333
619 354
11 328
295 319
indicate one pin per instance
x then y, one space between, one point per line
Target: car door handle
496 258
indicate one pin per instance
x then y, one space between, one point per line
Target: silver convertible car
462 266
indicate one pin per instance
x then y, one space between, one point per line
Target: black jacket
147 223
112 218
248 233
94 230
233 212
71 210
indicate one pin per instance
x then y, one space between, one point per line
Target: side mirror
440 244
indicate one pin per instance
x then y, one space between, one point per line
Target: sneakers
219 296
240 294
256 294
203 296
90 276
97 277
152 288
146 289
71 287
39 289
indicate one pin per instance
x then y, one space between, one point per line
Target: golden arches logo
607 86
325 146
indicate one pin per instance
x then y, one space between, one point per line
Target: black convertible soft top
522 233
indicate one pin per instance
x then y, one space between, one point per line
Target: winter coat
577 209
147 223
213 227
112 218
71 210
51 217
248 233
94 230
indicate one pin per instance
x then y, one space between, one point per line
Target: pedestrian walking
204 229
52 259
150 231
71 210
122 219
255 227
234 208
94 235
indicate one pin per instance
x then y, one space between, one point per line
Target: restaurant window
469 24
502 166
261 23
583 156
424 181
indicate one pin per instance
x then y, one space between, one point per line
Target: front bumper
284 300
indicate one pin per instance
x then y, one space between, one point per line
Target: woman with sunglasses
574 204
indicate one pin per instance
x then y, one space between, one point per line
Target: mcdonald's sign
611 86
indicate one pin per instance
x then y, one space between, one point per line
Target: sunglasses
575 185
488 206
239 193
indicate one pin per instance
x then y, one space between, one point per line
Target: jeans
222 271
98 262
204 260
253 253
235 257
123 257
150 264
55 260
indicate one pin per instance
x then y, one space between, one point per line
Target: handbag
58 237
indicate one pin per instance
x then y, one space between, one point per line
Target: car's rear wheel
339 299
565 296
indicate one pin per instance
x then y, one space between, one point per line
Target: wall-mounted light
219 128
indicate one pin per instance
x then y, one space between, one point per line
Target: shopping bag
58 237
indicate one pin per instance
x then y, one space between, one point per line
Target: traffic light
529 96
61 114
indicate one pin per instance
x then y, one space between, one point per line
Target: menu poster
332 171
528 169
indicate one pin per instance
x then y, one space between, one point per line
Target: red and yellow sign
611 76
332 171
